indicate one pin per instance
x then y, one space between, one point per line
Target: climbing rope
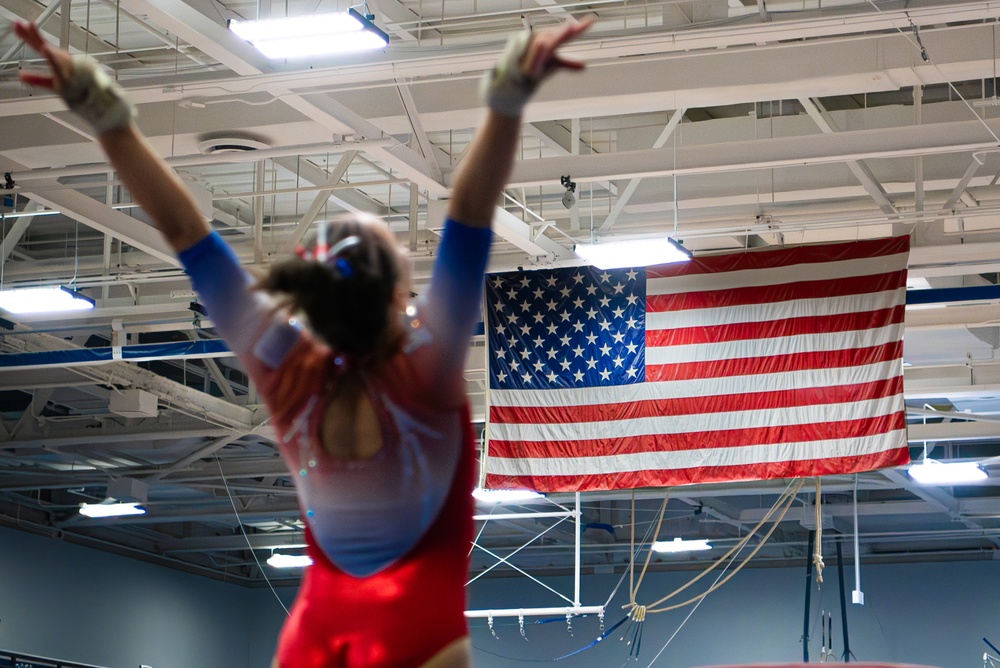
818 551
783 504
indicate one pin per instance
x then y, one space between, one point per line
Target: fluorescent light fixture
932 472
680 545
278 560
111 509
633 252
51 299
504 495
311 34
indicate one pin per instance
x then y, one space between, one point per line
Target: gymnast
366 391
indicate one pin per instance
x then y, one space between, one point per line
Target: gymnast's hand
60 62
541 58
527 60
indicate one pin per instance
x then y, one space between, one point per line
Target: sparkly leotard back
388 533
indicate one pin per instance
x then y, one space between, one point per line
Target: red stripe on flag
729 438
770 329
744 366
770 294
724 403
766 258
702 474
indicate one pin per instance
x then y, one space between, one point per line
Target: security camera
568 198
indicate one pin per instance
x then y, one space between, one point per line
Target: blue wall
931 614
78 604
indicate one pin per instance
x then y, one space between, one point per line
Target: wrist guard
95 97
505 89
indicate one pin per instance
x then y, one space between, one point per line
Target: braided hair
344 281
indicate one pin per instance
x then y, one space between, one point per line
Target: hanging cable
247 538
918 44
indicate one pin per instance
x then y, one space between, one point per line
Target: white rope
818 549
786 499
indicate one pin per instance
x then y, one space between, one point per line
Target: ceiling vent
230 142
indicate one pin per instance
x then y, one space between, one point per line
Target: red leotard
399 617
389 536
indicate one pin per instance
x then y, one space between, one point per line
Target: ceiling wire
918 44
691 612
247 538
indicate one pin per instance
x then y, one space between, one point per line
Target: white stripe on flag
699 387
806 271
796 308
752 418
685 459
784 345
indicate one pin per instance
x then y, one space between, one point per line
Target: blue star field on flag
566 328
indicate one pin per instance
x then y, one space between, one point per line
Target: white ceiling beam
28 10
633 184
938 498
960 136
209 36
557 138
417 127
203 32
927 258
393 15
17 231
613 83
861 171
321 199
974 166
513 229
953 315
103 218
173 394
349 200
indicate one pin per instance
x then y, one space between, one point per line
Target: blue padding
145 351
940 295
168 350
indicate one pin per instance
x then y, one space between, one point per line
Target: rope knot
818 563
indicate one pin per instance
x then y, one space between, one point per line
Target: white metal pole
857 596
536 612
576 568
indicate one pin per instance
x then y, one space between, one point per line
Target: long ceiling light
312 34
111 509
680 545
51 299
633 252
932 472
278 560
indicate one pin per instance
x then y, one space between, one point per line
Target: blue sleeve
239 313
456 289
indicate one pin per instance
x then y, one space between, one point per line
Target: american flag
754 365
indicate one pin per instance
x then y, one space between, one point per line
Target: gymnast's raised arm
93 95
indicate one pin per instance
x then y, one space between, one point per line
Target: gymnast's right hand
60 62
80 81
